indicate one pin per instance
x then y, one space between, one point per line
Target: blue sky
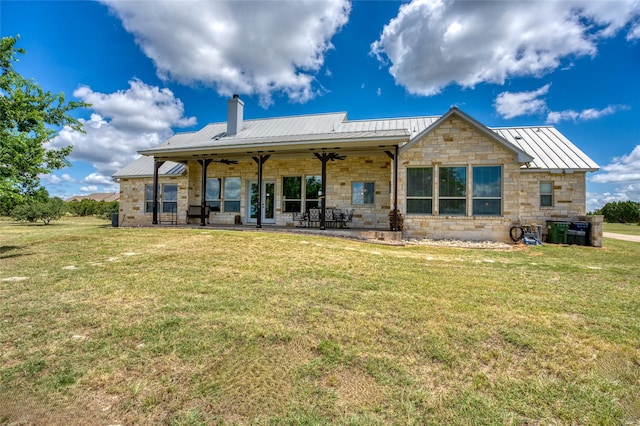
152 69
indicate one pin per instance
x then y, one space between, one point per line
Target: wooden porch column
204 163
156 167
260 160
394 157
324 157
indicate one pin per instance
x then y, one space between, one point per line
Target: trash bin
114 220
557 232
580 232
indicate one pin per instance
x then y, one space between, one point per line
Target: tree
621 212
29 118
35 209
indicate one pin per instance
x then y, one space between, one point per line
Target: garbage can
557 232
580 232
114 220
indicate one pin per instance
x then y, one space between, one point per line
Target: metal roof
143 167
542 147
550 149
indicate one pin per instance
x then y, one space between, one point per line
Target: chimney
235 110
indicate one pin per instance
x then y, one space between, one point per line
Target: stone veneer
453 143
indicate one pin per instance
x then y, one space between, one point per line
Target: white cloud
515 104
584 115
621 169
263 48
123 123
89 189
98 179
630 192
431 44
53 179
509 104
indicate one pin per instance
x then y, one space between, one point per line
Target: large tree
29 118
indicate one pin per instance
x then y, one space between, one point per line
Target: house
449 176
96 196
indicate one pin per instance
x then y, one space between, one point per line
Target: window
453 190
232 188
292 193
362 193
313 187
420 190
169 198
546 194
487 191
212 197
148 198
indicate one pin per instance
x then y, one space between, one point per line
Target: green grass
199 326
622 228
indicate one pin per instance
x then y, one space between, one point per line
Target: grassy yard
622 228
102 325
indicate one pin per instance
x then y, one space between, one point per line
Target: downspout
395 189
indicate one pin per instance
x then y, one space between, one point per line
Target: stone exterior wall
454 143
132 201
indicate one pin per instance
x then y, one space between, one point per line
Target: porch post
156 166
394 157
203 190
323 198
260 160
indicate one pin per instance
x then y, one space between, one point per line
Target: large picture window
232 193
148 198
453 191
487 191
313 187
362 193
420 190
292 194
546 194
212 197
169 198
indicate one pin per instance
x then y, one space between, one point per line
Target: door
268 202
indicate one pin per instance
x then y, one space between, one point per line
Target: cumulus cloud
515 104
510 104
52 179
431 44
121 124
263 48
622 193
621 169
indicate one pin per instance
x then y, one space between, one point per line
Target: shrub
620 212
34 210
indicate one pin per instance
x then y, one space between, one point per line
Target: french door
268 202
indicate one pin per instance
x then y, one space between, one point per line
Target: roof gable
522 156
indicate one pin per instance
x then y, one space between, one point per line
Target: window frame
546 194
367 194
476 199
460 211
427 195
311 202
169 201
215 204
289 204
226 200
148 198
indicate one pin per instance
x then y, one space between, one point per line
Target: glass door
268 202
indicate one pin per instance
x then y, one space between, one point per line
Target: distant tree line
42 208
620 212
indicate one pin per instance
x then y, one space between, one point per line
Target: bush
34 210
88 207
620 212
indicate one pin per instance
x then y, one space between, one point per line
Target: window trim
475 198
286 200
368 195
214 203
547 194
464 197
226 200
409 197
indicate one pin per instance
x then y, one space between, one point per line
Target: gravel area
460 243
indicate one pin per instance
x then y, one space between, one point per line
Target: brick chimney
235 111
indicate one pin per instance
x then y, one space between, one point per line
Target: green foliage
621 212
36 209
29 118
88 207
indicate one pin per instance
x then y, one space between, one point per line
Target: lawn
104 325
622 228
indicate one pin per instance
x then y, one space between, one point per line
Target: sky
151 69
